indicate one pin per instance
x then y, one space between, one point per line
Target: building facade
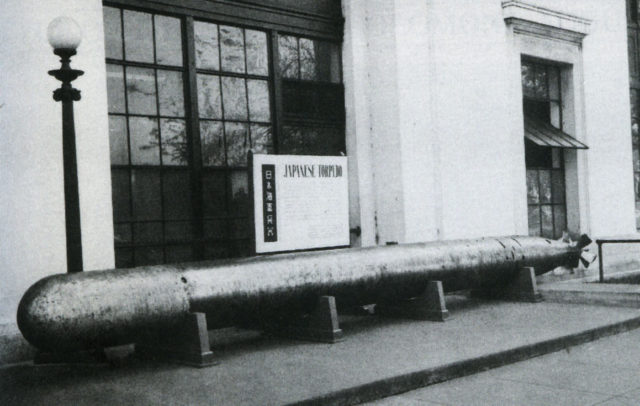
459 119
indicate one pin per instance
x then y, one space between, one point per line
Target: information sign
300 202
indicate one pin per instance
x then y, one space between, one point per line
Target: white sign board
300 202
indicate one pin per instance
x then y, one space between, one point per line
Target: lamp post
64 35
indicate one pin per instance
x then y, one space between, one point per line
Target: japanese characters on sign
269 203
300 202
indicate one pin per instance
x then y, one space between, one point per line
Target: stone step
591 293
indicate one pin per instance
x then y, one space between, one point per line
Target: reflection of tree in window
232 49
312 97
174 142
308 61
289 62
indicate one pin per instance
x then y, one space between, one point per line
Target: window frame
633 39
324 22
552 168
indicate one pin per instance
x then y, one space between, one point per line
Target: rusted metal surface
102 308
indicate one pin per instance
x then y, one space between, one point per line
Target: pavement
378 357
604 372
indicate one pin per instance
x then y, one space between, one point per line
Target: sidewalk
605 372
378 357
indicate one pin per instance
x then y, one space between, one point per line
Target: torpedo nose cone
100 308
41 317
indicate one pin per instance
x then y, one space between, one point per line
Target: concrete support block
321 325
523 288
186 343
428 306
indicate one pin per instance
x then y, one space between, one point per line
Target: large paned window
152 207
545 165
635 143
633 39
234 115
188 98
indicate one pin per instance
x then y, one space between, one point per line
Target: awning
546 135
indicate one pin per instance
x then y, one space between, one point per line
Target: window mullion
539 185
247 134
561 119
193 136
157 121
276 90
129 168
226 170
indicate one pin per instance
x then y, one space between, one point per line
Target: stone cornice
527 18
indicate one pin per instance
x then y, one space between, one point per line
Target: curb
599 298
414 380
